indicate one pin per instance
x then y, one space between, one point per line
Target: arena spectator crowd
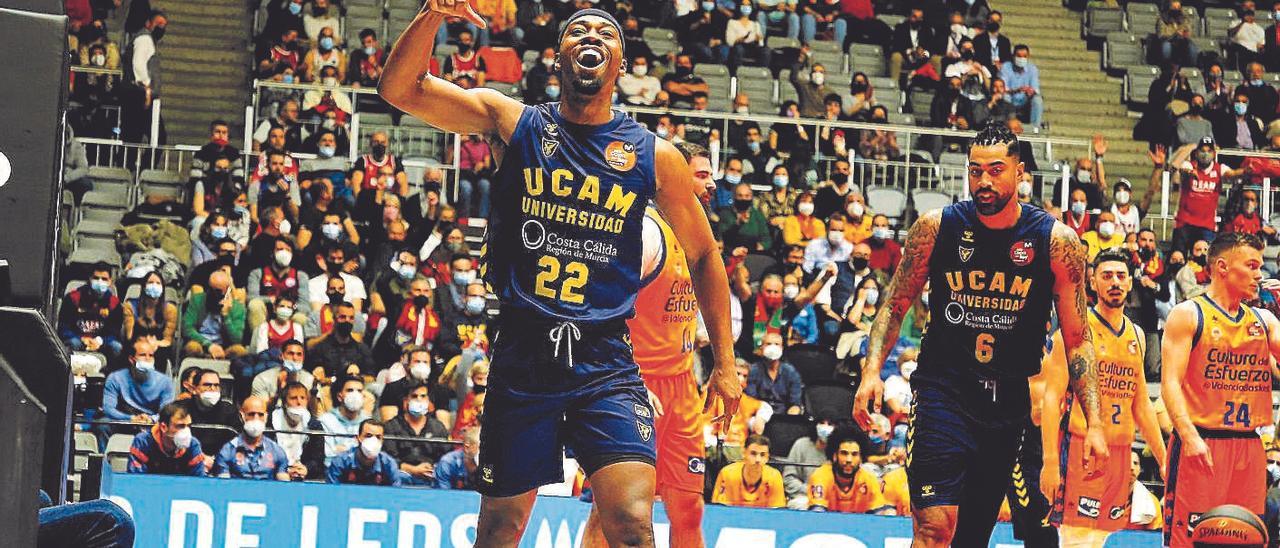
342 326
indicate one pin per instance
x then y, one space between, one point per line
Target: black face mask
336 298
343 328
479 388
858 263
1201 260
858 87
157 33
1195 110
966 54
335 268
378 149
463 48
993 27
1146 253
741 205
213 300
420 301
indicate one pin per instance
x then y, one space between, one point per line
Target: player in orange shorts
1217 387
1089 506
663 339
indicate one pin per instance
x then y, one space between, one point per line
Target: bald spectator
213 323
1262 96
251 455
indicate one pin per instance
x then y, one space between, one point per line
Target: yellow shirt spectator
798 230
896 492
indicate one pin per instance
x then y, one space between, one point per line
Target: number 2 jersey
1228 379
564 237
991 292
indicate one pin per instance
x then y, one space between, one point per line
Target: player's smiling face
993 177
590 55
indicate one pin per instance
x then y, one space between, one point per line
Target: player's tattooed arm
903 289
1067 258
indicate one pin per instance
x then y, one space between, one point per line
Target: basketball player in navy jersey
996 268
563 254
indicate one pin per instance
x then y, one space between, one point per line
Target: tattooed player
996 267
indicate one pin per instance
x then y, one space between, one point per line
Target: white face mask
742 109
855 209
818 78
825 430
771 351
1084 175
371 447
285 227
835 237
284 257
1106 229
640 70
1122 197
907 368
299 414
805 208
417 408
99 59
182 439
292 366
353 401
420 370
873 296
210 398
145 365
254 428
1024 189
791 291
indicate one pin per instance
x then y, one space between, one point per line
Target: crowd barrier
202 513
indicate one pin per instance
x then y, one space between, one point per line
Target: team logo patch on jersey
552 130
926 491
486 474
1022 252
1116 512
697 465
620 156
1255 329
1133 347
1216 332
646 431
966 236
817 491
966 253
642 411
550 141
954 312
1089 508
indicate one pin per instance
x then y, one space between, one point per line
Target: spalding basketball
1229 525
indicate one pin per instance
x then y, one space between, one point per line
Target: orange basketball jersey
1228 378
665 327
1120 350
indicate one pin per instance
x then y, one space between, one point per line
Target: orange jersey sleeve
896 491
665 327
1228 379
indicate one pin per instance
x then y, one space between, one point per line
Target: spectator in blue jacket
252 455
168 447
458 468
366 464
1022 79
137 393
90 317
772 379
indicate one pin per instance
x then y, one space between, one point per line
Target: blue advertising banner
180 512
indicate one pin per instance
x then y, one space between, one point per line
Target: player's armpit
907 282
1067 260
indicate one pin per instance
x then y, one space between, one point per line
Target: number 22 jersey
564 238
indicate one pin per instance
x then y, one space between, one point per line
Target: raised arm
1054 372
1067 260
907 282
677 198
408 86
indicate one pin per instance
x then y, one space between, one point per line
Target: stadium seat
109 197
375 119
118 452
223 367
1142 18
1101 21
1218 20
829 399
867 58
162 183
783 430
780 42
888 201
928 200
104 177
1123 50
1138 82
756 263
813 362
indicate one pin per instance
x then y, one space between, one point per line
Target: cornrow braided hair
995 133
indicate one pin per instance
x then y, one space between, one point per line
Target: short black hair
1231 240
293 342
832 98
101 266
692 150
335 390
172 411
996 133
700 94
370 422
1021 47
414 388
1110 255
189 374
294 385
756 439
365 33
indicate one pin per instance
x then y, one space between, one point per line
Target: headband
599 13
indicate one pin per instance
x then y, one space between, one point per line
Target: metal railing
1158 219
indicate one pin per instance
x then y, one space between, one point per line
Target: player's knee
500 527
630 523
934 528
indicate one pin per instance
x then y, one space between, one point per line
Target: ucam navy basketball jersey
991 292
564 238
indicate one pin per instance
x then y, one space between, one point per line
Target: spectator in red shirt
863 27
1248 220
885 251
475 165
90 317
1201 180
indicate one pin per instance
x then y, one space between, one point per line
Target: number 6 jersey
990 296
564 238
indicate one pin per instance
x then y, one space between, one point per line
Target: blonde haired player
1090 506
663 334
1217 387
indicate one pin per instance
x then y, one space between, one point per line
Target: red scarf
419 333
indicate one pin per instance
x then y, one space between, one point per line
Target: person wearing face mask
813 90
218 148
830 249
365 63
810 450
214 321
1077 216
324 53
416 324
458 468
251 455
168 447
778 202
1128 214
414 418
742 224
1022 77
991 47
281 327
1106 234
275 189
366 463
268 283
291 419
334 261
744 39
465 61
1248 220
150 315
366 174
1201 178
535 78
207 406
897 388
1194 125
849 276
466 335
774 380
909 37
861 307
271 382
138 392
1262 96
638 86
681 83
142 81
803 227
886 252
318 16
342 348
344 418
475 169
1240 127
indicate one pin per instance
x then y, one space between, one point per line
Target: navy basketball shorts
537 405
954 460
